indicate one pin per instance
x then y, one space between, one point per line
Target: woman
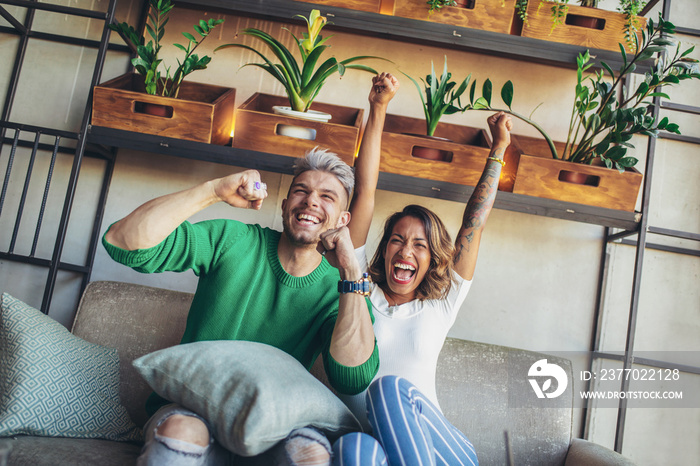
421 282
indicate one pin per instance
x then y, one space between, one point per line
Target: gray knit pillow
253 394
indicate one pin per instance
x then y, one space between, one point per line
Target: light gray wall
535 284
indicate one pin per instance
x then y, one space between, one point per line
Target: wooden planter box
606 32
487 15
372 6
256 128
202 112
540 175
467 152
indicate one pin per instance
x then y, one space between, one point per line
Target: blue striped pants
408 430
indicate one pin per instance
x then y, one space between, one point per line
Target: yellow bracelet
502 162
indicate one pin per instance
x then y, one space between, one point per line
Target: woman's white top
410 337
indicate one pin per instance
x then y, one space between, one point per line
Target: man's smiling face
315 203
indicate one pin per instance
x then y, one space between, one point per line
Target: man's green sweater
243 293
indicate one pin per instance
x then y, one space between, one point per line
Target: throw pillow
252 394
55 384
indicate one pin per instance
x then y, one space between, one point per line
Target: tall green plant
441 98
302 81
147 61
602 125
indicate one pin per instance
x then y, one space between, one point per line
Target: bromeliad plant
302 81
147 61
601 124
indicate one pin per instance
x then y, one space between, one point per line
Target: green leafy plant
442 98
434 5
302 81
560 8
521 10
631 9
147 61
602 125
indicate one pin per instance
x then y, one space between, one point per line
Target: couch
476 388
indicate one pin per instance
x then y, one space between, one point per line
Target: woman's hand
500 125
384 87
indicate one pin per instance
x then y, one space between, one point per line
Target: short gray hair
326 161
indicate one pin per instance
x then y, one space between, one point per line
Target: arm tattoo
479 205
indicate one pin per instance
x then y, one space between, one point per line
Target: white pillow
253 394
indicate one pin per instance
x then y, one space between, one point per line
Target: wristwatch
362 286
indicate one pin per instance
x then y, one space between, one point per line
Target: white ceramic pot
312 115
297 131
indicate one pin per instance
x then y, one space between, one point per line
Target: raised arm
482 198
384 87
152 222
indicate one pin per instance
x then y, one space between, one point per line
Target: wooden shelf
415 31
387 181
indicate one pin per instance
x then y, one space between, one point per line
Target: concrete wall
535 284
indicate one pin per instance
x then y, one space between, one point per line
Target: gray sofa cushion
136 320
47 451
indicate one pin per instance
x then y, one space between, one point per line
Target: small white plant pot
296 131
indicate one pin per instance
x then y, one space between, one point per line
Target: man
257 284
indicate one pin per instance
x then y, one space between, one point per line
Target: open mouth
403 272
307 219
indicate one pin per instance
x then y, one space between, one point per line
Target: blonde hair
326 161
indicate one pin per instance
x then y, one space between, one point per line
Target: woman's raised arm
482 198
384 87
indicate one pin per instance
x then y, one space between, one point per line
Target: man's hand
500 125
384 87
244 190
340 252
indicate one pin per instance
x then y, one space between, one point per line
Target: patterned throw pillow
55 384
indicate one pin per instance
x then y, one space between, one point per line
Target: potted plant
148 63
602 125
288 126
157 99
487 15
593 27
302 80
432 149
441 98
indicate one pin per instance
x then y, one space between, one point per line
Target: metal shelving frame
16 135
641 244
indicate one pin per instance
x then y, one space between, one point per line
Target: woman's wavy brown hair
438 279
